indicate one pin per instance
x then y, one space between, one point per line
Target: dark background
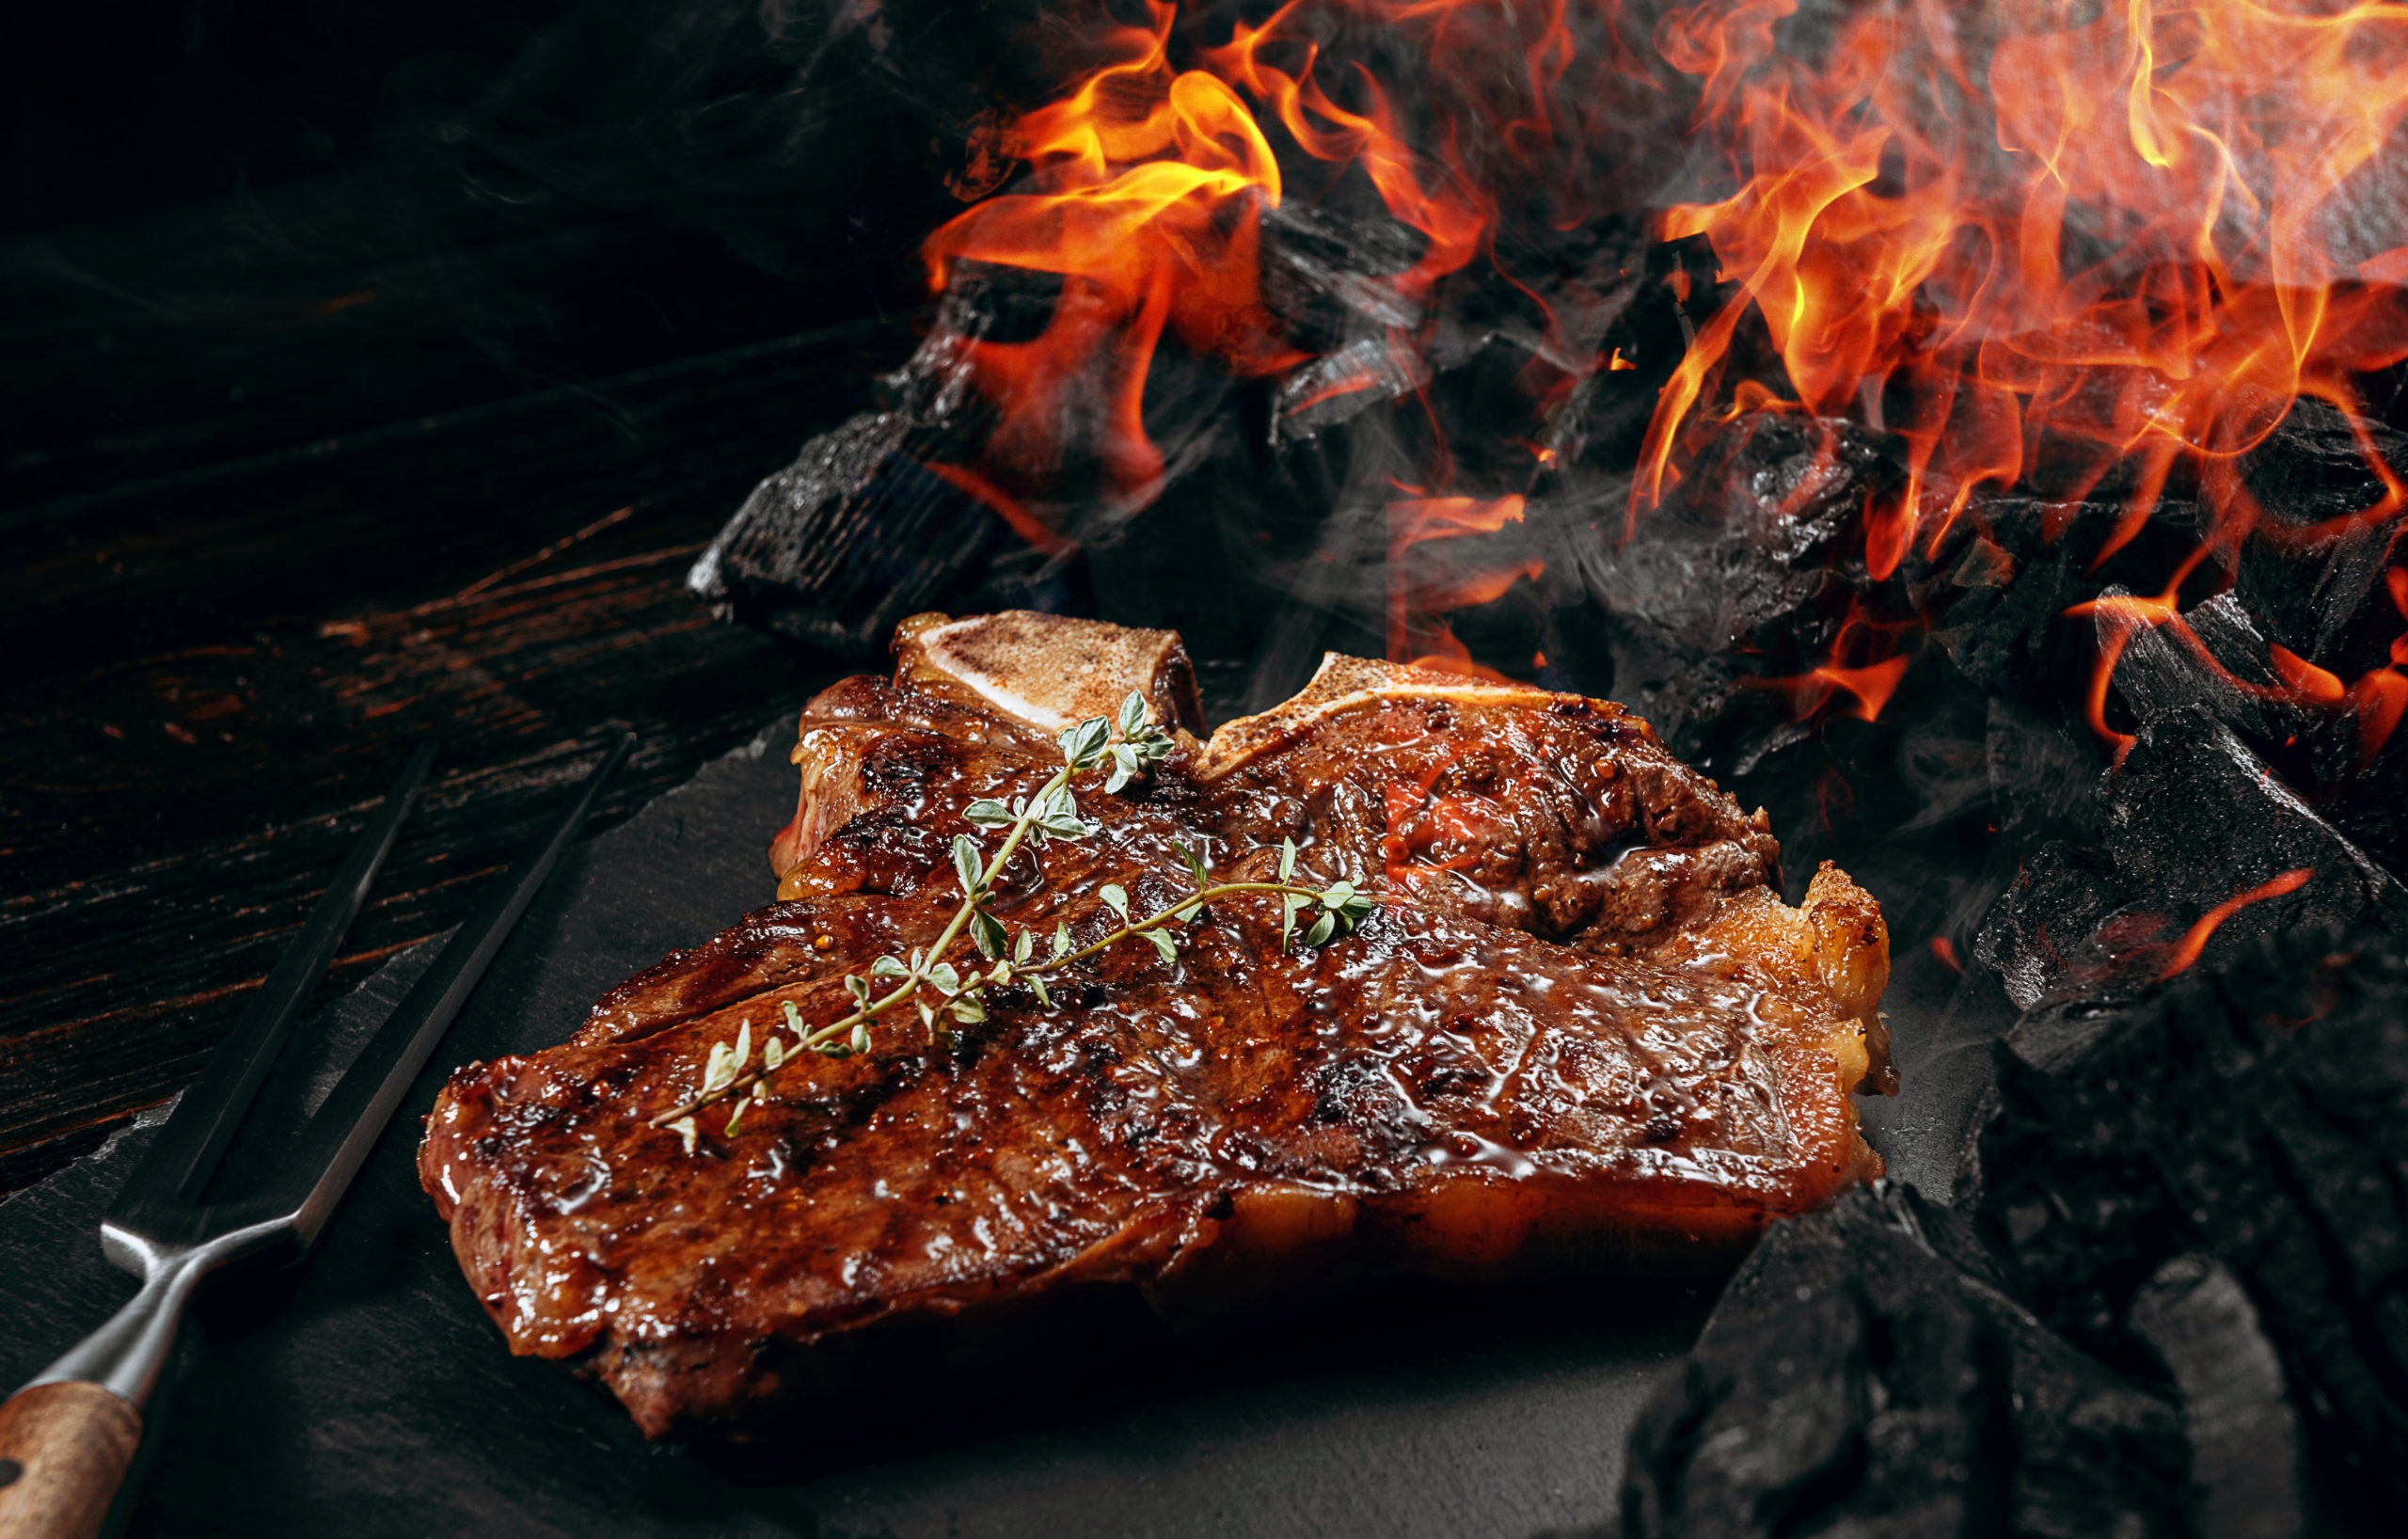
372 372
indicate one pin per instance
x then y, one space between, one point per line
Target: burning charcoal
2256 1116
1326 276
1744 573
1651 338
860 530
1343 385
2202 847
2336 600
2054 925
1328 279
2195 1316
1996 591
1645 315
1862 1376
2333 748
2193 817
2158 672
2318 596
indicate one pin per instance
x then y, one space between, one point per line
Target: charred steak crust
1517 1064
1551 813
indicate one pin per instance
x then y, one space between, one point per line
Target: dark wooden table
368 375
232 610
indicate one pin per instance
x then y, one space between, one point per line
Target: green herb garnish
945 996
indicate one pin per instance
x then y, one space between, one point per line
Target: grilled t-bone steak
1582 1031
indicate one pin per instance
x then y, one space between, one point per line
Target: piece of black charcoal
2321 592
1744 572
2322 596
862 530
1754 565
1328 278
2049 933
2159 672
1864 1374
2189 821
2195 1316
2256 1115
1997 590
2322 746
1341 386
2193 817
1330 281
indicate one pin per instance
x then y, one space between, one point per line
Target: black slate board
367 1394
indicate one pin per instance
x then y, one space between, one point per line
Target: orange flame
2194 940
2090 243
1869 684
1446 209
1415 520
2380 695
1145 189
2309 681
2108 253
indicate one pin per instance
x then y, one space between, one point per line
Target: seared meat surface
1535 811
1581 1032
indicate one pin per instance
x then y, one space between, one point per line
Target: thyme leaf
1130 743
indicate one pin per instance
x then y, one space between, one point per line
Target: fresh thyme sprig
1052 813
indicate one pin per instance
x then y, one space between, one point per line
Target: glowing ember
2194 940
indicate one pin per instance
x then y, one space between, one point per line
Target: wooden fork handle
64 1449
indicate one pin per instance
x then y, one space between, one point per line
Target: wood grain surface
64 1448
215 671
365 375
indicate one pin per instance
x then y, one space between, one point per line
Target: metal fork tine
345 1129
188 1148
75 1424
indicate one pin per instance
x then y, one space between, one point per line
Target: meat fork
68 1438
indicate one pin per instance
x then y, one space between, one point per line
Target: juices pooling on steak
1582 1032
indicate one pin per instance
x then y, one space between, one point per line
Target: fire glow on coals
2073 248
